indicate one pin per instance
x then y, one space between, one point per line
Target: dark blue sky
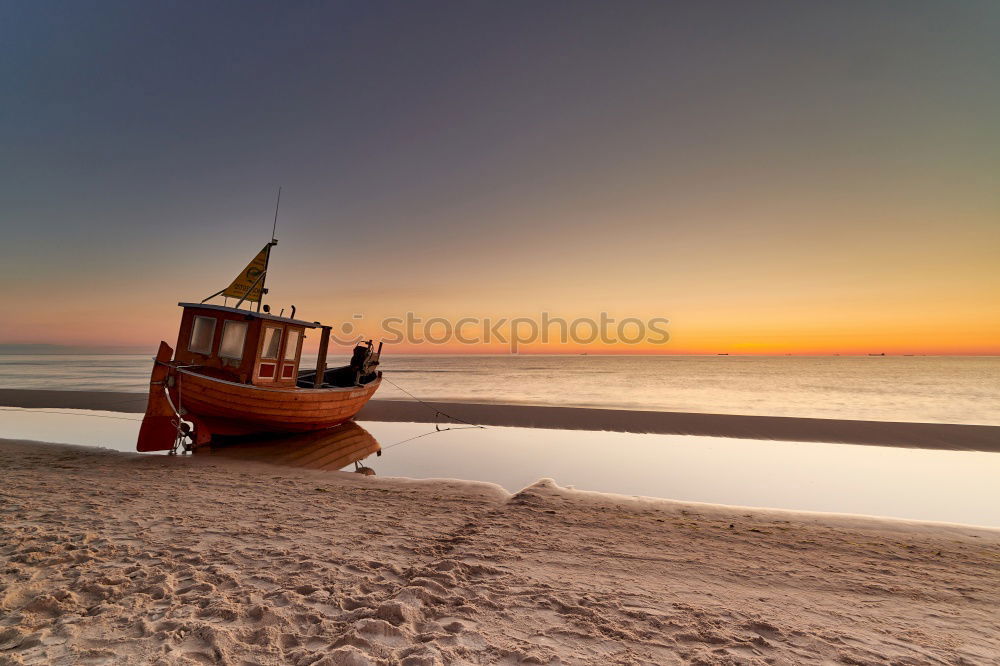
493 147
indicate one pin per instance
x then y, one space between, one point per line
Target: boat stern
159 426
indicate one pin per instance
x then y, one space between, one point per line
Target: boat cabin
241 346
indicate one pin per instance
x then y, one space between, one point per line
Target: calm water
951 486
892 388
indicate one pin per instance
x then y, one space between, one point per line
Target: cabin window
234 334
272 342
202 335
292 346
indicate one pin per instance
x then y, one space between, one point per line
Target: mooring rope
432 432
437 411
437 426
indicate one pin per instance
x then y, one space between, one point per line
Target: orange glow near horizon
879 302
143 325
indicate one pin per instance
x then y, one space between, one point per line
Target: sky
772 177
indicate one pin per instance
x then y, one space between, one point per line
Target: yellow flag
249 284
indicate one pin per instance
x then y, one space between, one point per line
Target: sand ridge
117 558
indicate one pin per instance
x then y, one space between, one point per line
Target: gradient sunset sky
773 177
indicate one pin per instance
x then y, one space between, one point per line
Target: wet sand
124 558
952 437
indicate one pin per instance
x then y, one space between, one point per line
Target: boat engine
365 361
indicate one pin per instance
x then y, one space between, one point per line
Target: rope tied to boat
437 412
437 425
183 430
425 434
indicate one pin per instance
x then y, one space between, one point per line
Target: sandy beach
942 436
120 558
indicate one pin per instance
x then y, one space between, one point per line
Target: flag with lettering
250 283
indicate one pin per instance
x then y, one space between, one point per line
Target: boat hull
217 406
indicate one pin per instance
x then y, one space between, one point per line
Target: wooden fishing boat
236 371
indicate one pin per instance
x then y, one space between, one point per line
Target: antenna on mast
275 227
267 256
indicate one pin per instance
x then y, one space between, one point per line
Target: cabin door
267 361
290 359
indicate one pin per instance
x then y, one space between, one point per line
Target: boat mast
267 257
275 226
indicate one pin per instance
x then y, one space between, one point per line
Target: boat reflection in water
331 449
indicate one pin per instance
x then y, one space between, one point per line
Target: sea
929 389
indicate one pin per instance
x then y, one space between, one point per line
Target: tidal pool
950 486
